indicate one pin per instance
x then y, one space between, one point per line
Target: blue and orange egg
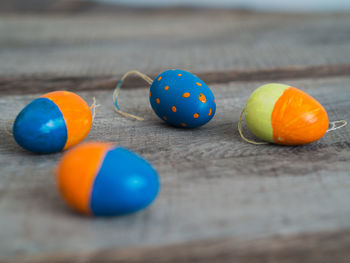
53 122
181 99
100 179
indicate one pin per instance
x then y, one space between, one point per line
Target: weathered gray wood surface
221 199
214 185
34 84
311 248
197 41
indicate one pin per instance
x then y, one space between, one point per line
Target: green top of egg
259 107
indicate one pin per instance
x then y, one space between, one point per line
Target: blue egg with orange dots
181 99
101 179
53 122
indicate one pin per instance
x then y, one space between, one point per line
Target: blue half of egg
125 183
40 127
181 99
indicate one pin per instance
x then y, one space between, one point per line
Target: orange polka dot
150 94
210 112
173 109
166 87
179 75
215 102
165 118
202 98
159 78
196 115
157 100
183 124
199 84
186 95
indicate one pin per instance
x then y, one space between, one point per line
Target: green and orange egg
283 114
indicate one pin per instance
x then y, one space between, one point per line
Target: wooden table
222 200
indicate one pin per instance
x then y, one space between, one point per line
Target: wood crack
11 85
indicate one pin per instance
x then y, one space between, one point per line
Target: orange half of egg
76 114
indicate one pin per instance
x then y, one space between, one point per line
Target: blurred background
110 37
266 5
261 5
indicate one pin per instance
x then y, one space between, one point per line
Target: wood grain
221 199
311 248
36 84
214 185
194 40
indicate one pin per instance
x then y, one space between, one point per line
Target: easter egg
100 179
53 122
181 99
282 114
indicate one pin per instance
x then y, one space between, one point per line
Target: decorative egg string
241 133
334 125
117 91
178 97
93 107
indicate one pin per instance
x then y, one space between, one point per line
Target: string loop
93 107
335 125
117 91
241 133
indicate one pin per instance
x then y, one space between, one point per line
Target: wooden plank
36 84
214 185
317 248
198 41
